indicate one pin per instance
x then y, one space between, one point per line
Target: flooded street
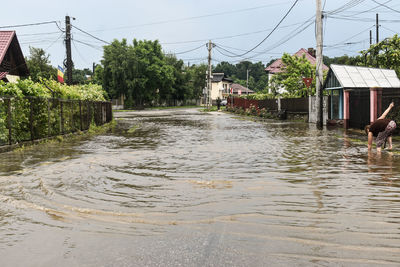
186 188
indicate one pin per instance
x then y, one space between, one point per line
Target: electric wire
54 42
89 45
90 34
184 52
77 50
194 17
386 6
273 30
30 24
390 29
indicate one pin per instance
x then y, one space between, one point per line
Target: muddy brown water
188 188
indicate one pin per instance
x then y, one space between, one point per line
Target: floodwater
187 188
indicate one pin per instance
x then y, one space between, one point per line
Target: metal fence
32 118
293 105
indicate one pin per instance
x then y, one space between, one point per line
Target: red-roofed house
277 66
12 61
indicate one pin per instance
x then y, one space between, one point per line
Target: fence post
61 117
9 120
31 119
80 114
48 117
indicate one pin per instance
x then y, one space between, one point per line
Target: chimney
311 51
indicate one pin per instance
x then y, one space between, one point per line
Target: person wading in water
382 129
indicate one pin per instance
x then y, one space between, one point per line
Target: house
358 95
219 86
12 61
237 89
277 66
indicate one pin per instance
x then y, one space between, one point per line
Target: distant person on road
382 129
218 103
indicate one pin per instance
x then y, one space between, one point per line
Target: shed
357 93
12 61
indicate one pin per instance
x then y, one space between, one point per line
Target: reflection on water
199 189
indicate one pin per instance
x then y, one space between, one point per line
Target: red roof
277 65
9 45
5 40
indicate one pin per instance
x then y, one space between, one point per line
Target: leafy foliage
39 65
258 78
51 88
295 68
145 75
385 54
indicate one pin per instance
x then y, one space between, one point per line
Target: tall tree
39 65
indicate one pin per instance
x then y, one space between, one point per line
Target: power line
353 36
90 45
287 13
349 5
39 33
195 17
73 42
386 6
352 18
389 29
31 24
54 42
194 49
90 35
229 36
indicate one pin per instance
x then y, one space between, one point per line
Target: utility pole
370 38
318 71
247 81
377 28
68 48
210 46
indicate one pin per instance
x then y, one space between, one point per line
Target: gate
359 102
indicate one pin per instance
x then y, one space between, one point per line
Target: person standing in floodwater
218 103
382 129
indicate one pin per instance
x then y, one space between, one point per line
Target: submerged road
187 188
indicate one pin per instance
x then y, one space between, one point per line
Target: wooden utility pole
370 38
377 28
68 48
209 75
318 71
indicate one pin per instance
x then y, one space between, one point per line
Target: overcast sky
235 26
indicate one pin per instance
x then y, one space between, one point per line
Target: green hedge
50 88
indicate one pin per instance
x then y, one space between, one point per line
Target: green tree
81 76
291 79
197 79
225 67
385 54
39 65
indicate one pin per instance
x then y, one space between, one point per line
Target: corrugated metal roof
363 77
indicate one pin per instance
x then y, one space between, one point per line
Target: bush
27 87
